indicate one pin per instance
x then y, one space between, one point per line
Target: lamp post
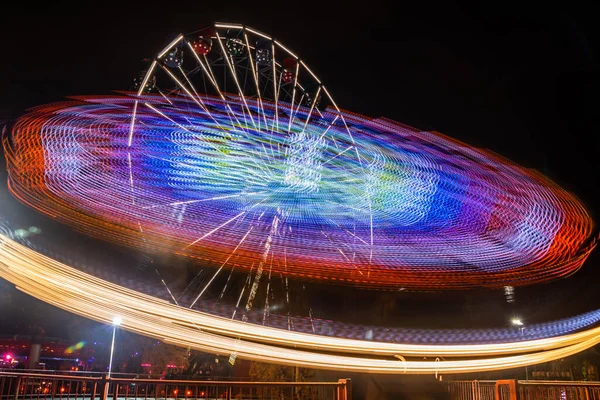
521 325
116 322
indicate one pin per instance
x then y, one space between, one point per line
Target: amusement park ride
230 151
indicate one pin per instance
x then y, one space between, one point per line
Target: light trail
220 268
207 234
427 218
83 294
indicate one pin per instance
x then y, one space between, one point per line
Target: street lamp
116 322
519 323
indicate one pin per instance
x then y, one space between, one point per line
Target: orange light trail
94 298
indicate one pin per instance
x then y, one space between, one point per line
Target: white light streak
216 229
145 81
83 294
169 46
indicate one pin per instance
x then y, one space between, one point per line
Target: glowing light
169 46
232 26
83 294
417 209
75 347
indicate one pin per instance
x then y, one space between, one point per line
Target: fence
524 390
26 386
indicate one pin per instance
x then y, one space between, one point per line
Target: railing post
512 387
17 388
344 390
94 388
103 387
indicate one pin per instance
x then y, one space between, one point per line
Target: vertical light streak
220 268
247 283
259 270
204 69
293 96
131 126
266 310
131 179
255 76
312 107
145 81
276 94
234 75
196 99
211 78
166 287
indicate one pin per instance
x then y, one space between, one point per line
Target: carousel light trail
83 294
415 209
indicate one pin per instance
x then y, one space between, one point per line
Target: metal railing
472 390
26 386
98 374
558 390
525 390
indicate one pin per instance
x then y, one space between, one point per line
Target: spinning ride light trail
83 294
442 215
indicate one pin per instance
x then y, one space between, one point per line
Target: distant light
21 233
517 321
8 357
35 229
117 321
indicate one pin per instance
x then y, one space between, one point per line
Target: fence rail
37 386
524 390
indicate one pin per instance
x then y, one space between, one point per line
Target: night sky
520 81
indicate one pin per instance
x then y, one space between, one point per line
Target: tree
270 372
278 373
160 355
199 363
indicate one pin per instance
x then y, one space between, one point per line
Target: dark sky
522 81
